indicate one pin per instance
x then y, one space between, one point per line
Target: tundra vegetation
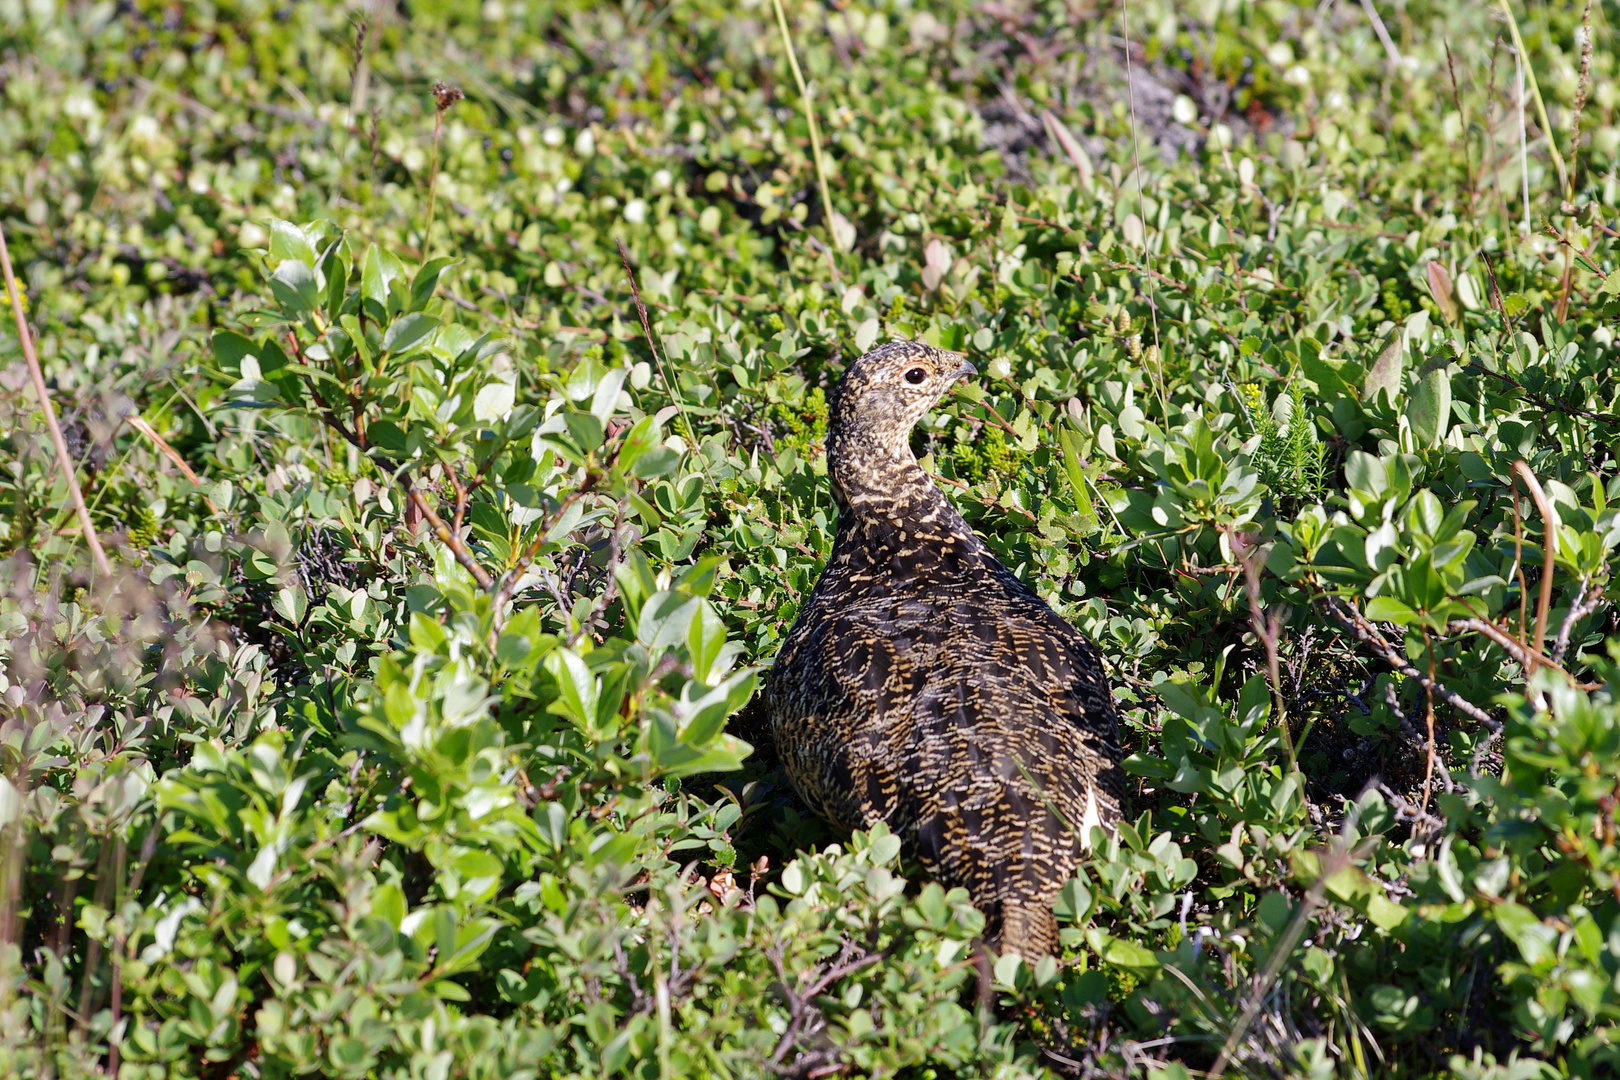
446 383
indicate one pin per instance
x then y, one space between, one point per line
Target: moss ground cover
447 383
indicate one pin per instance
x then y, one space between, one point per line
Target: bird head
884 393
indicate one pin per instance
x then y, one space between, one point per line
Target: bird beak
966 370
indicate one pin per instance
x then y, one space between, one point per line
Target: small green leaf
1128 954
1385 913
885 848
376 280
605 399
427 280
1009 969
386 435
1073 901
230 348
293 285
1389 609
1443 291
1429 411
1385 374
288 241
407 331
576 687
291 604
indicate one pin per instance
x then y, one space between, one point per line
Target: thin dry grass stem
1267 627
1496 288
1524 150
359 83
63 458
1071 147
109 869
1490 131
120 941
1382 32
1468 156
1341 854
140 425
827 211
372 143
444 96
646 331
1518 562
359 70
1141 205
1529 74
13 845
1581 87
1549 545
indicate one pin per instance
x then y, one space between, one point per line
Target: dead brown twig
1267 627
1393 700
1561 312
1369 635
1468 157
804 1018
448 537
140 425
1520 652
63 458
510 579
1584 604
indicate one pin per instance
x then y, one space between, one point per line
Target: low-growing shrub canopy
448 384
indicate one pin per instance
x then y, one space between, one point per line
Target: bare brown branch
1523 654
1368 634
449 538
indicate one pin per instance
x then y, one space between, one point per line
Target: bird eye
915 376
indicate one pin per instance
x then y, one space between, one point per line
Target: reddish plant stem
63 458
1549 547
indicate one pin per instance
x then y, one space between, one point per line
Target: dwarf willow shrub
415 737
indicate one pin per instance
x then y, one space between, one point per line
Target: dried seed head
446 95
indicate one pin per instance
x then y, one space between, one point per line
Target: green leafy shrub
413 736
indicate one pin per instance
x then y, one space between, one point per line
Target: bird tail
1028 929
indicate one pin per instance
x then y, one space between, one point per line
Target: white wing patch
1091 820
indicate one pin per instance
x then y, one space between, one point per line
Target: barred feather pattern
923 685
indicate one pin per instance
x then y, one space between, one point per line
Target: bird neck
880 491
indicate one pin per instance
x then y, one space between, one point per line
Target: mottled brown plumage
925 686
